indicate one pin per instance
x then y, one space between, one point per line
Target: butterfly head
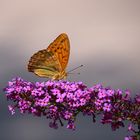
59 76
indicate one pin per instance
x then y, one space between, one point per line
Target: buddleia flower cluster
62 101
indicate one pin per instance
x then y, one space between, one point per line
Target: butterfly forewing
61 48
54 59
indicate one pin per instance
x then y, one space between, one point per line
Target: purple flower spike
63 100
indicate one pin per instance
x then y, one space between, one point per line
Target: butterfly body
51 62
60 75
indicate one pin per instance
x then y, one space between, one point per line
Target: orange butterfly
52 62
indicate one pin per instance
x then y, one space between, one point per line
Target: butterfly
52 61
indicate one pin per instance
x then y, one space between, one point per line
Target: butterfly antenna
75 69
74 73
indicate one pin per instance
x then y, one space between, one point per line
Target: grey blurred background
104 37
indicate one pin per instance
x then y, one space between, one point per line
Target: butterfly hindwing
45 73
43 62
